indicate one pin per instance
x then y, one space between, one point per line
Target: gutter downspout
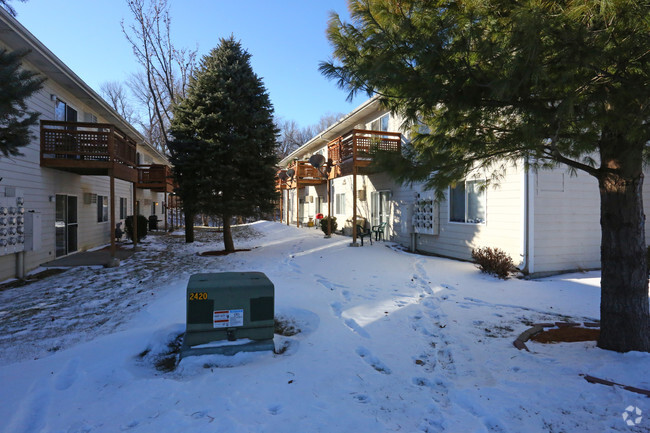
528 265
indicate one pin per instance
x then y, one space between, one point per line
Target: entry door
66 224
380 207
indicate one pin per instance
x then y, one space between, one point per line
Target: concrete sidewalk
89 258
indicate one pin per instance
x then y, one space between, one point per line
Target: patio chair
362 233
378 230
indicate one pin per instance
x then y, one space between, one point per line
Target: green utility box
229 312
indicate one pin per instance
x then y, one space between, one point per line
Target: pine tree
549 83
224 139
16 85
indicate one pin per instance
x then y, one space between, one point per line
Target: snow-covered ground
389 341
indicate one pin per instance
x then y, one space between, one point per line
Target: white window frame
339 204
123 207
102 205
483 199
378 123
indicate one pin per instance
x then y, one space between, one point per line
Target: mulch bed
558 332
567 335
221 252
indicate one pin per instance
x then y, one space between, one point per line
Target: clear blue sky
285 38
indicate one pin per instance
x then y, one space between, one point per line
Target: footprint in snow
361 398
276 409
353 325
328 284
337 308
373 361
67 376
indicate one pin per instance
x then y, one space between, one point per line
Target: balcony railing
303 174
156 177
281 181
88 148
358 146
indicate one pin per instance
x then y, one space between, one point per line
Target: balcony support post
165 210
329 207
135 218
112 217
297 205
111 176
354 192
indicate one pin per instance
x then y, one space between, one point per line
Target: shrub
143 225
494 261
323 224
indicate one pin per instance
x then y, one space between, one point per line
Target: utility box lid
229 306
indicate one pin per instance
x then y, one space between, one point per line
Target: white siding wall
41 184
343 185
503 227
401 207
567 221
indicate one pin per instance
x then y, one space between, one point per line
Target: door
380 207
66 224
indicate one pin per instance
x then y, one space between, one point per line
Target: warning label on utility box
228 318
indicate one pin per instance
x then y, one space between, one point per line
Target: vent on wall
90 198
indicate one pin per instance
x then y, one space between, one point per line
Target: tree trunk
624 315
227 235
189 227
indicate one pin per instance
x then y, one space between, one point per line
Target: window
102 208
467 203
64 112
380 124
153 208
123 208
90 118
339 204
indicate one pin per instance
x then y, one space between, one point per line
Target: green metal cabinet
229 307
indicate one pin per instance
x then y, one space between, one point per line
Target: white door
380 207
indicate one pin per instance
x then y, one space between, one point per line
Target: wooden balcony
281 182
174 201
88 149
156 177
355 149
303 174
